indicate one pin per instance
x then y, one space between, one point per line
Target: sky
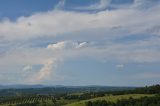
80 42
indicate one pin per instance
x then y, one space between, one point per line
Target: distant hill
23 86
11 90
20 86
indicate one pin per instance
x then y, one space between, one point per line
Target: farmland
84 98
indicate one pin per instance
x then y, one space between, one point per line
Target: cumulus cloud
120 66
109 30
82 44
44 73
58 22
28 67
67 45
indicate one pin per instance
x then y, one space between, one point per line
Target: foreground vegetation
144 101
147 96
110 99
51 101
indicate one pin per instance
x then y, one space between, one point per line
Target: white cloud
63 45
28 67
139 51
60 4
59 23
82 44
144 4
98 6
72 28
120 66
44 73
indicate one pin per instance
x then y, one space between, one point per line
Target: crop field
50 100
146 96
110 98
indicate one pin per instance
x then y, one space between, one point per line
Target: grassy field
109 98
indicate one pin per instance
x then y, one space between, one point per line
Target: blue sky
80 42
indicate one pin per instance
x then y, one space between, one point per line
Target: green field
146 96
110 98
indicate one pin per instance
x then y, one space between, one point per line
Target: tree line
155 89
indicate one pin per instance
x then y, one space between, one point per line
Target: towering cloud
45 72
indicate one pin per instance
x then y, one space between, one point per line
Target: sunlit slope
110 98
